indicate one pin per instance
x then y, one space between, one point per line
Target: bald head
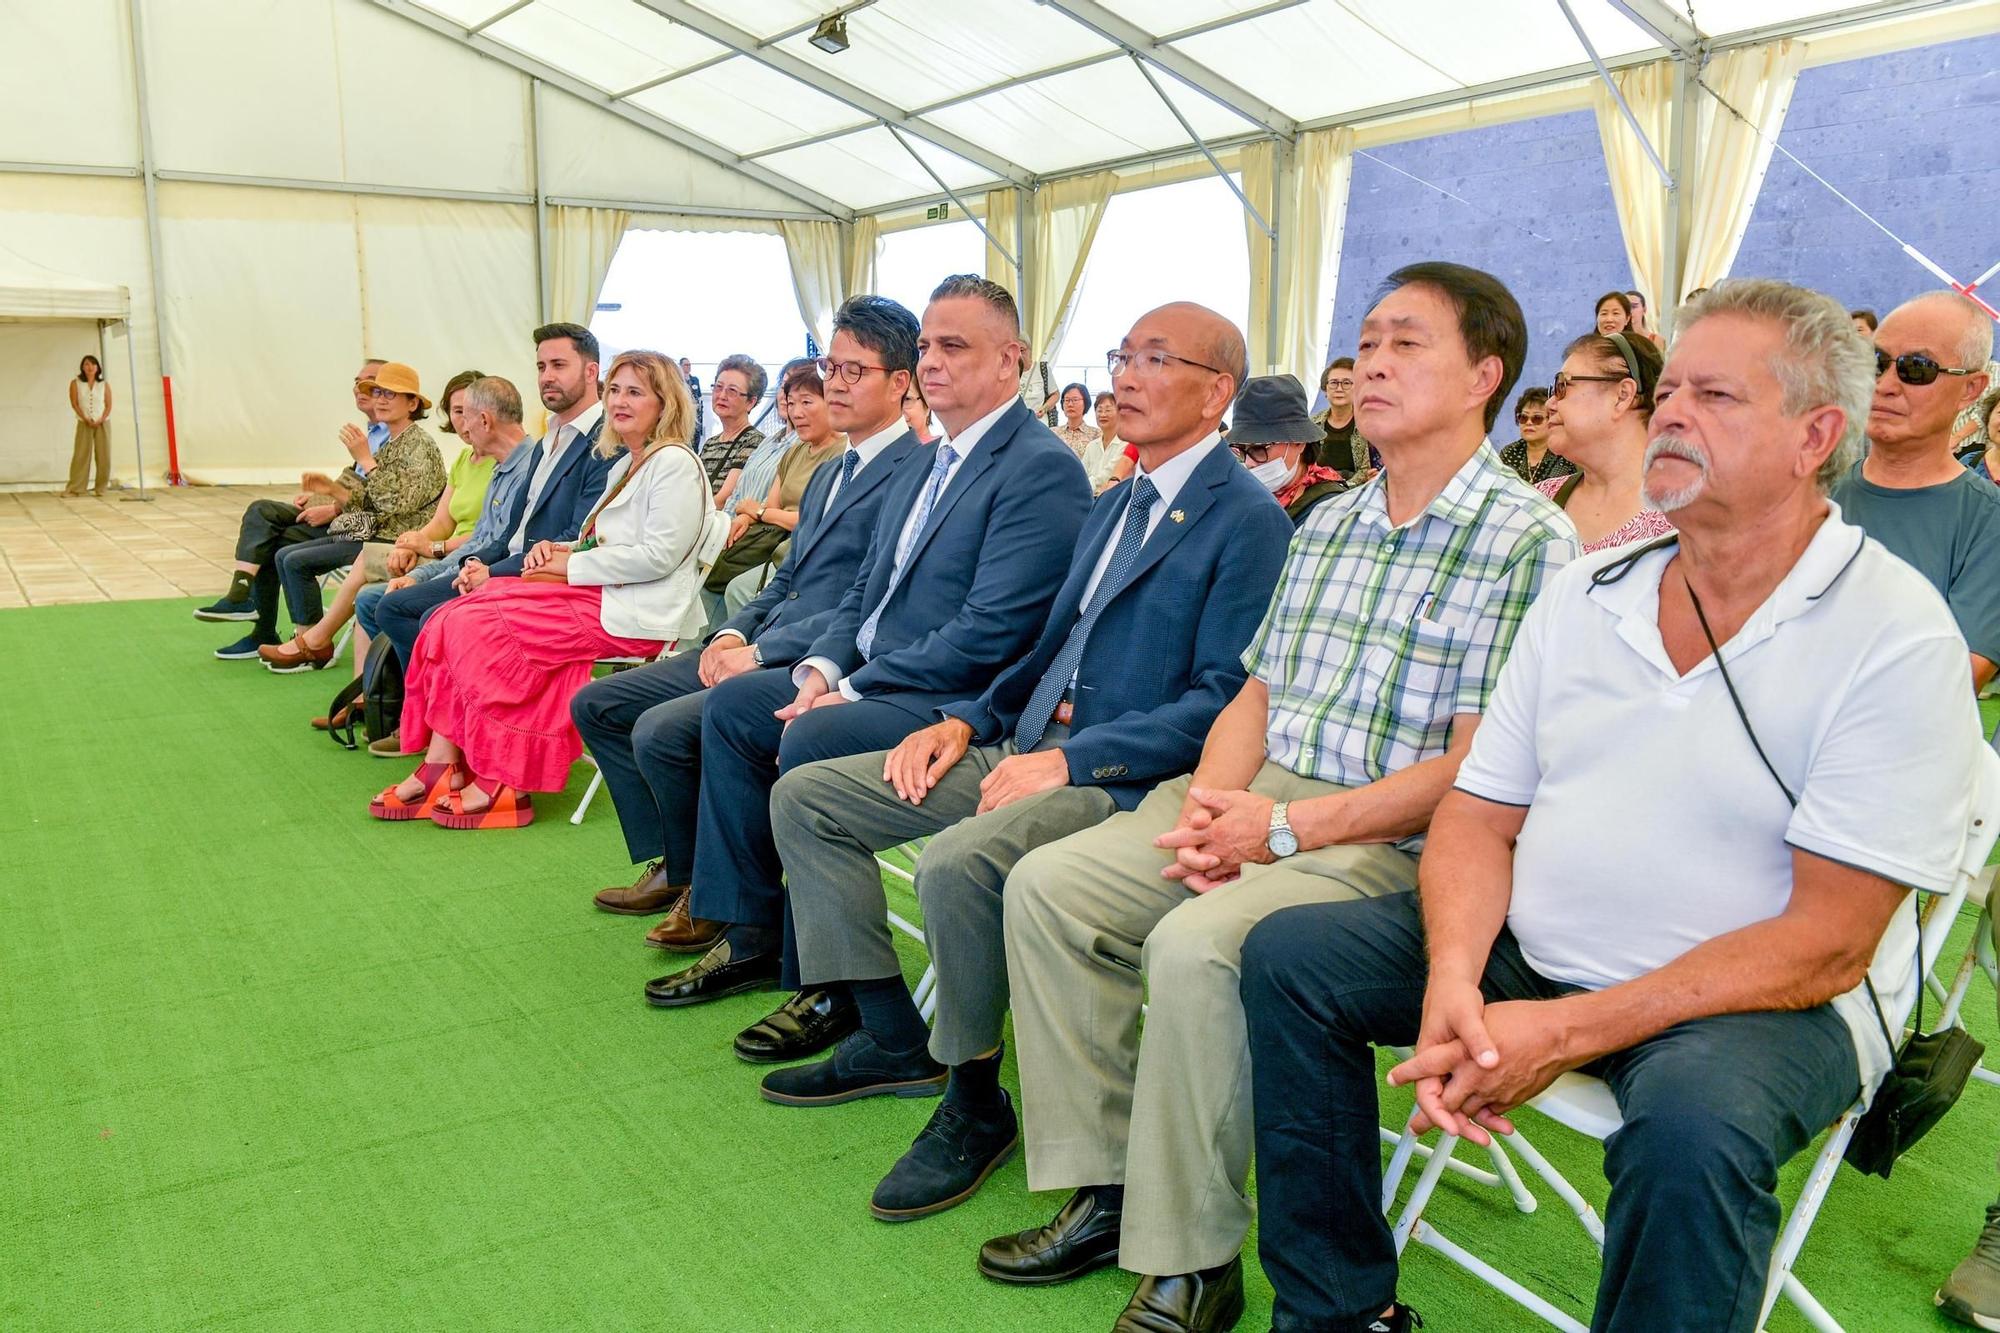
1962 331
1169 402
1915 420
1218 342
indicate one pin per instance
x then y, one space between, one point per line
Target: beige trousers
1093 932
91 442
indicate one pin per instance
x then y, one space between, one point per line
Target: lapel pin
1178 516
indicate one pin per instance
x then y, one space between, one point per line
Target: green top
1950 534
469 478
798 465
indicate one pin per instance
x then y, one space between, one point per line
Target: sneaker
1402 1320
1971 1295
224 609
243 650
957 1150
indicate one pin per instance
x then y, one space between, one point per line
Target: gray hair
748 368
1825 362
496 395
1975 341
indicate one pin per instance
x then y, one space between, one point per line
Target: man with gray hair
1688 913
1909 493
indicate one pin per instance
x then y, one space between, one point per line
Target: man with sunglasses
1909 493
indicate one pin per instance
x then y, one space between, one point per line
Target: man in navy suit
1139 654
566 483
967 555
644 726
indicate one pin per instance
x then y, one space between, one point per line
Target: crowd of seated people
1236 764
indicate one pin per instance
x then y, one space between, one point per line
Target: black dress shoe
1082 1238
958 1149
804 1025
719 973
1210 1301
857 1068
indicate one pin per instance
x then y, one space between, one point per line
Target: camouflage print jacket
402 486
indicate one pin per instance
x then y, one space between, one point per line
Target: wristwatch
757 654
1281 842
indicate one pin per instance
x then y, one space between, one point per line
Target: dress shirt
1168 481
962 447
554 445
868 449
509 475
378 435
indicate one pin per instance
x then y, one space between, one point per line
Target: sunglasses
1564 380
1913 367
1532 419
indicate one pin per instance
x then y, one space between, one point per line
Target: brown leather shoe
682 931
298 655
651 892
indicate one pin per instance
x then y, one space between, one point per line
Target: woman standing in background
90 399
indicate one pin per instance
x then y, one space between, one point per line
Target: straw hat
397 378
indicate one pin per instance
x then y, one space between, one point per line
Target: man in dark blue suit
967 555
565 484
644 726
1140 652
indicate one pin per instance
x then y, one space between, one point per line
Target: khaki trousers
91 442
1092 927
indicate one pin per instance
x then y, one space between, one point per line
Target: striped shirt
760 469
1377 635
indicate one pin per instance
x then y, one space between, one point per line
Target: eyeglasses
850 372
1532 419
1151 362
379 392
1339 384
1257 453
1564 380
1913 368
726 388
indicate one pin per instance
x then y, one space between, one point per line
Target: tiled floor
179 543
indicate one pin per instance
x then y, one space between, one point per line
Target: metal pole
1666 176
1680 218
1202 144
1005 253
132 379
1285 165
149 180
541 202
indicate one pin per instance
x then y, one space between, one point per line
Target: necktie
848 462
865 639
1041 709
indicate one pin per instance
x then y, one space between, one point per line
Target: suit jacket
827 550
981 575
1166 653
562 507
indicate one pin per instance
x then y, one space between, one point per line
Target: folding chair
926 993
330 582
597 774
1978 953
1586 1105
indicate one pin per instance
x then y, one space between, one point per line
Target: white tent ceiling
991 91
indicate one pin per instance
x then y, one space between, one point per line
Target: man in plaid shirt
1378 654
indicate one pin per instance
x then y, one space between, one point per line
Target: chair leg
589 793
1799 1225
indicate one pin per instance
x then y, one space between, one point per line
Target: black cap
1272 410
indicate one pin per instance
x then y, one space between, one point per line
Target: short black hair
981 289
1534 395
884 327
1624 303
582 339
1489 318
1083 389
1874 320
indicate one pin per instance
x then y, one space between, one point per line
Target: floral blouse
403 483
1553 464
1076 437
1641 527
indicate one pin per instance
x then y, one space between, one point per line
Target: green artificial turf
268 1064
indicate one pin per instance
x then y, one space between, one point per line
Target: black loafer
857 1068
1082 1238
949 1160
719 973
804 1025
1210 1301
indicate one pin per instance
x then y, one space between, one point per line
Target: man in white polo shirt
1631 878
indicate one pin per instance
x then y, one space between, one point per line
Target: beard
1667 501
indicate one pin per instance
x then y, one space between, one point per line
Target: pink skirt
494 672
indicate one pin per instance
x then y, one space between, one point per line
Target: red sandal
437 779
506 808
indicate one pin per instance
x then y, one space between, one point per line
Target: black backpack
379 690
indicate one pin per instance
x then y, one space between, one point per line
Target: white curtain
1636 188
1000 220
581 244
1066 216
864 246
1312 224
817 273
1757 81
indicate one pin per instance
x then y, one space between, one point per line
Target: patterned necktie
865 639
1041 709
848 462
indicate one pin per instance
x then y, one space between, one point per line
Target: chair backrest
1939 911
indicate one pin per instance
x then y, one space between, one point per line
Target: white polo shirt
1652 825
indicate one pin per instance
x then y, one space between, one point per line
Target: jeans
300 568
1712 1108
267 527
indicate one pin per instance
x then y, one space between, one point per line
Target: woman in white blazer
487 694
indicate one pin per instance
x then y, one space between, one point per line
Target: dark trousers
300 568
400 614
1712 1109
643 727
738 877
267 527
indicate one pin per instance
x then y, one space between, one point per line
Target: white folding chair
330 582
596 773
926 992
1587 1106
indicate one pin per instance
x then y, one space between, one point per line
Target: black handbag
1930 1069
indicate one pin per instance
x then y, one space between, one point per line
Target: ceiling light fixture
831 34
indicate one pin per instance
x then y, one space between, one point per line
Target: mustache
1673 446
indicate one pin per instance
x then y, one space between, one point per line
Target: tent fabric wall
864 247
817 273
1636 190
1002 215
582 242
1066 217
1313 221
37 427
1758 82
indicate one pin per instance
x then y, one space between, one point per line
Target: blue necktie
1041 709
865 639
848 462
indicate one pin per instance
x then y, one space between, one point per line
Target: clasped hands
547 558
1219 833
924 757
1476 1062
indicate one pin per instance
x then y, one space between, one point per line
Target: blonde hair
663 377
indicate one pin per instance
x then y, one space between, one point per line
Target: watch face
1283 842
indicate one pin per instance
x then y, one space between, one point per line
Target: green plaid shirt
1377 635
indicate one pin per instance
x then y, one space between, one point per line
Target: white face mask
1272 474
